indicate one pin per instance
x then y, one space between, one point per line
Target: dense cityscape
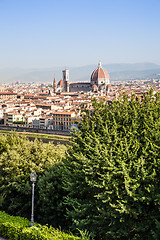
57 105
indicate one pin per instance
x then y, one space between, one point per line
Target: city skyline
41 34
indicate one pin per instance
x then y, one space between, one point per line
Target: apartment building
63 120
42 122
8 95
30 119
13 117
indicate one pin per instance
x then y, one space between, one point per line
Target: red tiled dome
94 86
98 74
60 83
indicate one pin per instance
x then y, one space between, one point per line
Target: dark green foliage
18 122
51 209
17 228
18 158
113 170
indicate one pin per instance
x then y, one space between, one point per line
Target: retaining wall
35 130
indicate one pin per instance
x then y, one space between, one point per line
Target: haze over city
46 34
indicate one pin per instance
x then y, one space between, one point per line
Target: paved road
2 238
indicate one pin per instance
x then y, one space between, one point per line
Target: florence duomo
99 81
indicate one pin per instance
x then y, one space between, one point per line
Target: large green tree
51 207
19 157
112 171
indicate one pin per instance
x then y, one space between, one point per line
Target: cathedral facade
99 81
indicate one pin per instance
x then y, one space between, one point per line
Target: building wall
63 120
6 96
77 87
10 118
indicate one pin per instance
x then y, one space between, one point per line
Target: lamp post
33 178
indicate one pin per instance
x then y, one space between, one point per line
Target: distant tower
67 86
54 85
65 80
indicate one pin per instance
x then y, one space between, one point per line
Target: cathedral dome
94 86
99 76
60 83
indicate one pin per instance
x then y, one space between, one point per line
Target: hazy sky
48 33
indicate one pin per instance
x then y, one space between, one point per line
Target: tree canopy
19 157
113 169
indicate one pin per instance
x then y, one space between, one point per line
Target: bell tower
54 85
65 80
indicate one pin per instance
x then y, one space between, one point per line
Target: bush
17 228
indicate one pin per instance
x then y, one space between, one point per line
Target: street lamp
33 178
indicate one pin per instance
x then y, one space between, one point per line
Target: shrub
17 228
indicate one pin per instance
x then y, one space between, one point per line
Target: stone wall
35 130
78 87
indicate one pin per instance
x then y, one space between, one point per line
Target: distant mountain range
117 72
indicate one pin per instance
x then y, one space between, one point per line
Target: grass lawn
39 135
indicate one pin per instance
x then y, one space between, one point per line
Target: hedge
17 228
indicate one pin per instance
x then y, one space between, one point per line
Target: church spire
54 85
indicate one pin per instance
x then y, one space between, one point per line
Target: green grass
36 135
